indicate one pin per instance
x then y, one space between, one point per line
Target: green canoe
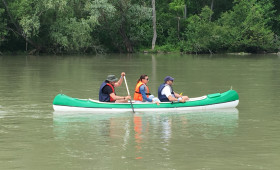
228 99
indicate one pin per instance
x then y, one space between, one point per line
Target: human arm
117 84
143 93
176 98
186 98
108 90
179 99
115 97
173 99
177 95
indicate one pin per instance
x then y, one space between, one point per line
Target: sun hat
111 78
168 78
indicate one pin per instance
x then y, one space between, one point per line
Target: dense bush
94 26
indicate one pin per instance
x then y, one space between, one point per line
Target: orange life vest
137 94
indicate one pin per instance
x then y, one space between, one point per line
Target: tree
200 33
179 7
22 22
130 25
83 26
154 24
3 24
75 22
57 26
248 27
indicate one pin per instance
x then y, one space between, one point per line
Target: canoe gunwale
133 102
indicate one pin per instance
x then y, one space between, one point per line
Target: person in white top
166 93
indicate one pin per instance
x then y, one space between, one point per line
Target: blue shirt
143 93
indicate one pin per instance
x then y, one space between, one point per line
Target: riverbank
230 53
145 51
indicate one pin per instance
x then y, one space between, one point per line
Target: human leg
121 101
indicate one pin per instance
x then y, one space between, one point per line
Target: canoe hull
229 99
231 104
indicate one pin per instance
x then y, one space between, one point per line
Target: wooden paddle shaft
126 86
128 94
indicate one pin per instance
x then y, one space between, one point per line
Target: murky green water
32 136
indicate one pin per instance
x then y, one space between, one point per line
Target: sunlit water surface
33 136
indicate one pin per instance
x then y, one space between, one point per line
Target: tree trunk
212 6
185 12
179 28
154 25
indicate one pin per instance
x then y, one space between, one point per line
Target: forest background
98 26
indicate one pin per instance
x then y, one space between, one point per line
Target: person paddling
107 90
142 92
166 93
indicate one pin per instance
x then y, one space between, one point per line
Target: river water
33 136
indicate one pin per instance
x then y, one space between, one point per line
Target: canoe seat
198 98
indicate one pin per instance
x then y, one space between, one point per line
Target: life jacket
161 97
105 97
137 94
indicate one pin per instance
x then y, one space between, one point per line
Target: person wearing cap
142 92
107 90
167 94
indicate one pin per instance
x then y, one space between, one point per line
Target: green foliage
166 48
75 34
139 22
30 25
200 33
70 26
97 10
130 26
71 34
3 30
26 14
177 5
248 27
245 28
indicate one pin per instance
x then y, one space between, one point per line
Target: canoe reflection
83 116
214 118
143 130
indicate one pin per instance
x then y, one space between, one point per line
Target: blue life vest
161 97
105 97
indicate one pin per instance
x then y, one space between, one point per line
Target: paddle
128 94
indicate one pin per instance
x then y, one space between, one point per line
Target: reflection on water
32 136
137 122
141 130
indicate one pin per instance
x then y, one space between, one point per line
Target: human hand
182 100
127 98
123 74
155 100
186 98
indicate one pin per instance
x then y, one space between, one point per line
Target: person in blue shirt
142 92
